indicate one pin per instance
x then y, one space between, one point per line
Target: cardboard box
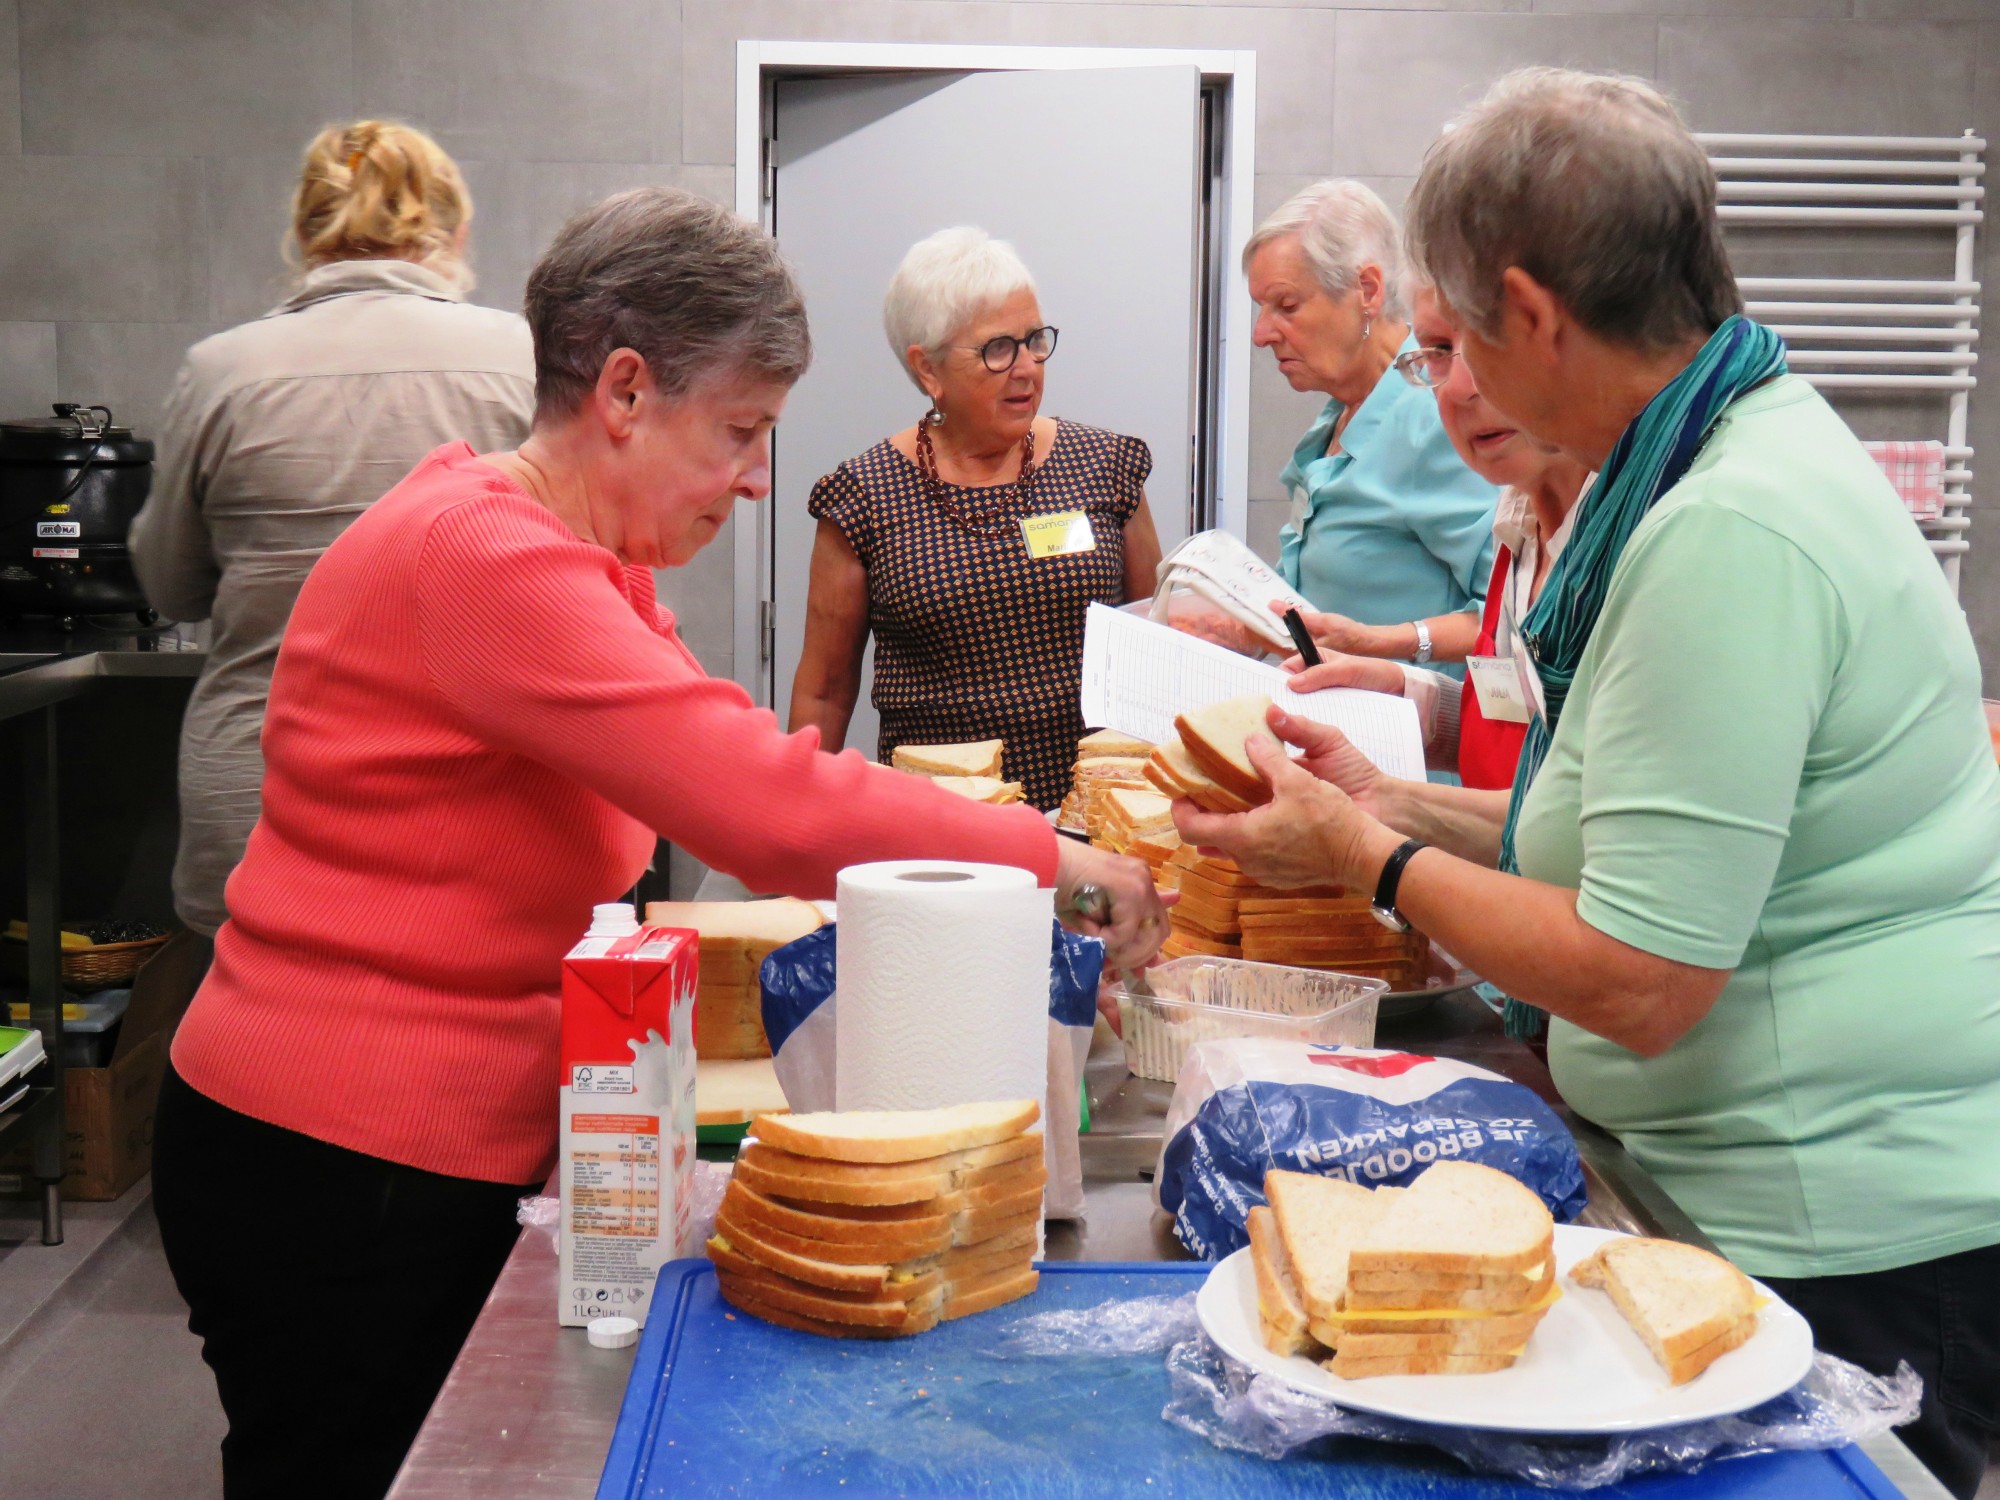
626 1159
108 1111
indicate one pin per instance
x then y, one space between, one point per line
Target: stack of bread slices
876 1224
735 939
1224 913
1105 762
1448 1276
1127 816
1210 761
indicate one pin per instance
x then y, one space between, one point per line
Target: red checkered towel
1917 472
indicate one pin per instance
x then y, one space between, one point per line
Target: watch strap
1392 879
1423 641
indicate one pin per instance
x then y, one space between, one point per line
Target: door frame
759 64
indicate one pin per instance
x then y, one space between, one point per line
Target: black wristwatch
1385 888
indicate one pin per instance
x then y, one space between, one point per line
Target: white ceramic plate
1584 1370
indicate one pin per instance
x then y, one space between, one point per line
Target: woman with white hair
1391 535
972 543
1750 862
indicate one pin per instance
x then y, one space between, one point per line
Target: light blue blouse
1394 527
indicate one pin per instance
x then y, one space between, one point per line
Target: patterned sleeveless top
975 639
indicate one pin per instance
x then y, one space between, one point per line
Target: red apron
1488 750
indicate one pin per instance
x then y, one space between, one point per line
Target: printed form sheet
1137 675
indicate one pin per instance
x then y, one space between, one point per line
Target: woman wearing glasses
972 543
1479 738
1390 533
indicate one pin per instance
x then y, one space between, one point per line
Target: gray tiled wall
147 146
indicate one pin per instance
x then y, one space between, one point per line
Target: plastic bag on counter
1245 1105
1836 1404
1134 1325
800 992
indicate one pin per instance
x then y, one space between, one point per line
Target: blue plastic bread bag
798 982
1245 1105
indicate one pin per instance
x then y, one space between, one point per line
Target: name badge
1060 535
1521 662
1498 689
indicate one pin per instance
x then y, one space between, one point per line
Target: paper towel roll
944 985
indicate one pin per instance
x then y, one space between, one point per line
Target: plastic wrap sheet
1233 1407
1835 1405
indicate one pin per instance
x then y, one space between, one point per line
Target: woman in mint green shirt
1389 529
1757 828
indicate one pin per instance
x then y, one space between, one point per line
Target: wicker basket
95 968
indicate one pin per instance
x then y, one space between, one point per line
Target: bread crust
816 1135
786 1175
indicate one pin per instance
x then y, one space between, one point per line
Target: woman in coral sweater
479 723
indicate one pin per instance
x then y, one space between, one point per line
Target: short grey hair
698 292
945 281
1591 184
1341 225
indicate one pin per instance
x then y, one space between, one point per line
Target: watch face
1390 918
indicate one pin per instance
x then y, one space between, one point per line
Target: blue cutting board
722 1403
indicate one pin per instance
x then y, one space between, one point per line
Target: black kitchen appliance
70 485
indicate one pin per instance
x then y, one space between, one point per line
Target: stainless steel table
529 1408
39 670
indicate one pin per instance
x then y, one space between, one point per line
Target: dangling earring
1367 327
935 416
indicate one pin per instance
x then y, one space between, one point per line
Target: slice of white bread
1423 1364
1457 1218
969 1217
1217 739
896 1135
989 1291
785 1175
1689 1306
1174 774
982 788
1111 742
1502 1335
981 758
1134 812
1510 1292
1321 1219
726 926
1281 1313
734 1091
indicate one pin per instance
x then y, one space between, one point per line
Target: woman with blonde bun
279 433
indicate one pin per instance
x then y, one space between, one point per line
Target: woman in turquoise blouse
1389 530
1750 863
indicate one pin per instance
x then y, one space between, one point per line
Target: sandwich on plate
1689 1306
1448 1276
876 1224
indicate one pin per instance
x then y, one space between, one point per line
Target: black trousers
1943 1316
331 1291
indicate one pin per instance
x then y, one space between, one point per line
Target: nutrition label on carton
614 1175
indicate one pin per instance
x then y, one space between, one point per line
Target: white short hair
1341 225
945 281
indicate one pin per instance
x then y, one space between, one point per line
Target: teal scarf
1650 458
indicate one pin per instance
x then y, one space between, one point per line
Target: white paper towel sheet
944 985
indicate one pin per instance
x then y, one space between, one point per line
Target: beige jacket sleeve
171 549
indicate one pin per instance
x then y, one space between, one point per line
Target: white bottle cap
613 1333
613 919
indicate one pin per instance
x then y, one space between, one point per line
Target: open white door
1094 175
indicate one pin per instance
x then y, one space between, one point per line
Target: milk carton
627 1154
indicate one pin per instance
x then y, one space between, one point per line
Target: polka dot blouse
974 638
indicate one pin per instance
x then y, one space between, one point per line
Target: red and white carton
627 1153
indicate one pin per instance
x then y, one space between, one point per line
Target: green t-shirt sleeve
1714 658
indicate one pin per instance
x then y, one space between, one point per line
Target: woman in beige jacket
280 432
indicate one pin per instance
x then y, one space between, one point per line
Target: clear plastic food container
1189 1000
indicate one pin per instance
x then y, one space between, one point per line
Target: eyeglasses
1428 367
999 354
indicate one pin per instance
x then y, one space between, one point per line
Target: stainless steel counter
529 1408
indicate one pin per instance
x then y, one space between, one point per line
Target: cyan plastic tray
722 1403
